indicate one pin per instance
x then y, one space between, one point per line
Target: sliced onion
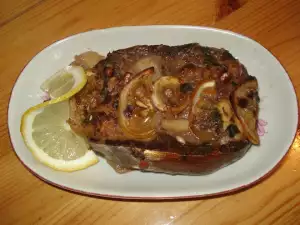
88 59
208 85
203 135
147 62
136 127
229 117
199 103
179 125
226 112
204 103
247 110
158 98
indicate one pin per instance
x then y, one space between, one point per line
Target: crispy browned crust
94 109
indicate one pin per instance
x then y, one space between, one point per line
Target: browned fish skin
94 110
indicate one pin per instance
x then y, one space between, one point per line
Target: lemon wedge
46 132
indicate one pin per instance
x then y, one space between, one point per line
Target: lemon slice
206 87
64 80
50 138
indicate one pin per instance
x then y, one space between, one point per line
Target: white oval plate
278 108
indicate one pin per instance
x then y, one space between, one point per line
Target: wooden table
28 26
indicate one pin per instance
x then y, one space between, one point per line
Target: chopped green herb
232 130
103 94
186 87
233 83
116 104
85 120
216 116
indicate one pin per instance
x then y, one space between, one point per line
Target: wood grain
226 7
9 10
24 199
